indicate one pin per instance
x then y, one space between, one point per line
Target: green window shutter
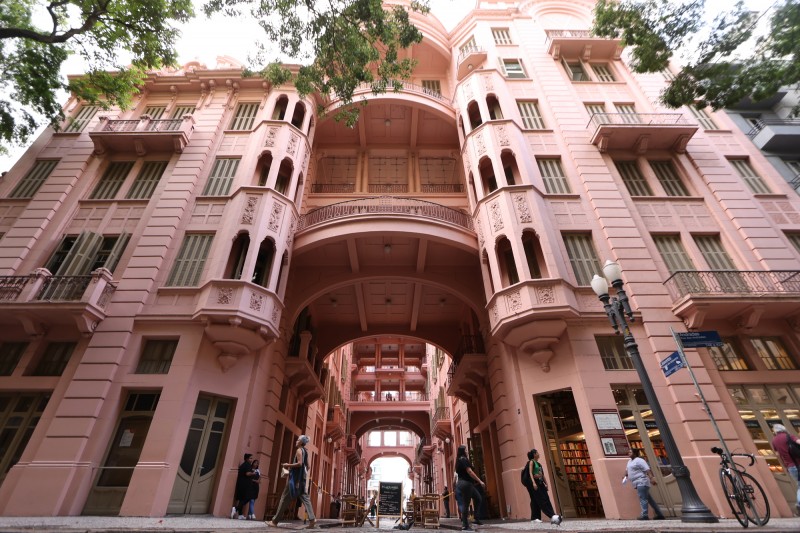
673 253
81 256
155 111
116 251
147 180
531 117
633 178
181 110
669 178
582 256
714 253
244 117
191 260
82 118
553 175
113 178
34 179
751 179
221 178
703 118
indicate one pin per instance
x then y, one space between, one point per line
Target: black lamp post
620 313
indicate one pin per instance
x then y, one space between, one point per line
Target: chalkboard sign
390 499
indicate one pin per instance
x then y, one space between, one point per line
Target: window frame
513 76
754 182
502 36
32 181
583 268
528 120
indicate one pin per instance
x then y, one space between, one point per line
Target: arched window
284 176
488 179
264 261
280 108
510 168
298 115
298 191
488 269
461 126
495 111
236 259
508 267
281 273
474 113
534 255
262 169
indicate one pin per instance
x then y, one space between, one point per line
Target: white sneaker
233 513
555 519
252 517
242 517
536 521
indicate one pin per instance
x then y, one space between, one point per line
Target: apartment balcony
352 449
336 426
40 302
442 423
745 297
582 44
470 59
142 135
401 89
425 451
777 135
305 380
465 378
641 132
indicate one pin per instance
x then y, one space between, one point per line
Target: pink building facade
221 268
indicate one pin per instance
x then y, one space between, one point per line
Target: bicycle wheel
733 496
754 503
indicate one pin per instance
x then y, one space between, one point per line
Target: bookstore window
773 353
156 356
640 427
727 356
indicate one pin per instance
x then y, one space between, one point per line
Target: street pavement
206 523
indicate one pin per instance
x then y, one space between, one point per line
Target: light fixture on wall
387 249
387 122
330 440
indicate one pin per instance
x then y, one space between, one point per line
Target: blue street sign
671 364
700 339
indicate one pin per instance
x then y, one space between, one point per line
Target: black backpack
794 449
525 477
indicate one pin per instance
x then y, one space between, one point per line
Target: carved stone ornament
225 296
496 216
514 302
523 210
495 315
292 148
468 94
488 82
479 231
249 210
545 295
256 301
502 135
272 133
275 217
480 144
275 312
290 237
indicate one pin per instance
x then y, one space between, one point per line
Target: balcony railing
795 183
441 413
333 188
442 187
387 188
738 282
389 396
761 124
385 205
142 135
63 288
641 131
11 287
628 119
470 344
402 86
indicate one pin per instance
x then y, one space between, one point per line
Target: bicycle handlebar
719 452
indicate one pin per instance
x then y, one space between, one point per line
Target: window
147 180
244 117
751 179
575 71
432 87
794 238
628 113
673 253
603 72
501 36
726 357
594 109
182 110
667 73
703 118
669 178
633 179
613 353
794 166
191 260
34 179
221 177
467 47
156 356
553 176
19 414
513 68
82 118
773 353
82 254
156 112
713 252
54 359
582 256
111 181
531 117
10 354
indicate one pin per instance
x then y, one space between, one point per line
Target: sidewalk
205 523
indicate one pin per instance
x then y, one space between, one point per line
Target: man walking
780 443
446 502
298 472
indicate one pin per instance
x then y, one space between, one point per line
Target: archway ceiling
385 285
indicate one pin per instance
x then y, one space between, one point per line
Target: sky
205 39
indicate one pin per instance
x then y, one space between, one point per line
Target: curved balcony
641 132
365 90
469 59
142 135
385 205
743 296
581 44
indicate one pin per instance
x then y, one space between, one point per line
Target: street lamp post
620 313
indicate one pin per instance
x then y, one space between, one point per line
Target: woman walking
297 485
466 490
537 490
641 477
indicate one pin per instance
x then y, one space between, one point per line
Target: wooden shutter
669 178
531 117
703 118
603 73
221 178
245 115
553 175
147 180
116 251
82 118
34 179
582 257
751 179
673 253
81 256
633 178
191 260
155 111
113 178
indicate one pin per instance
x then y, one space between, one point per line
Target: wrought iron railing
568 34
441 413
761 124
403 86
322 188
633 119
390 396
722 282
470 344
385 205
387 188
442 187
11 287
64 288
470 50
795 183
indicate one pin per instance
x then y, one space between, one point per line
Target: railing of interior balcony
632 119
402 86
441 413
427 188
11 287
470 344
385 205
333 188
568 34
722 282
761 124
442 187
387 188
389 396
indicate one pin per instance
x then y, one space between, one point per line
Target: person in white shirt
641 478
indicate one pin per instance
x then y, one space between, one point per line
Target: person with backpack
788 449
533 480
297 485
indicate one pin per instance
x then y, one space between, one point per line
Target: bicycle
745 496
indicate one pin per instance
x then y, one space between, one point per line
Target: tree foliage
733 61
340 43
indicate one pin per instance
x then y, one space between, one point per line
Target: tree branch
54 38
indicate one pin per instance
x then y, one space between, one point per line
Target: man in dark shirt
780 443
446 502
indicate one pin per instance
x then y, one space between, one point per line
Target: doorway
567 456
197 470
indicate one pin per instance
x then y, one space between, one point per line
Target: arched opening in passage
495 111
474 114
298 115
236 259
488 179
508 267
280 107
461 128
264 261
298 190
262 169
510 168
534 255
284 176
282 275
487 269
